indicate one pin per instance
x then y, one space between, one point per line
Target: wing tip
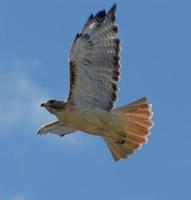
100 16
113 7
112 11
40 131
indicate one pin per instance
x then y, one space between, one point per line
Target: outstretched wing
94 62
55 127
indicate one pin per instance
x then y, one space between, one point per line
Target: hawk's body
94 72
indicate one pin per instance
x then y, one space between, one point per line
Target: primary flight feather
94 72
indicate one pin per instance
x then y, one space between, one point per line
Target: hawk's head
53 106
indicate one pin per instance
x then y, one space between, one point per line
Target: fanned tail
135 123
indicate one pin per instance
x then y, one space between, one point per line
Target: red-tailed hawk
94 72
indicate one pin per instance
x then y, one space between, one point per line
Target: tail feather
136 138
135 122
119 151
135 128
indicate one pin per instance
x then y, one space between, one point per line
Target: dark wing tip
91 17
113 8
100 16
112 11
77 36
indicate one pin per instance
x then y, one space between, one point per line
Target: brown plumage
95 52
94 71
135 122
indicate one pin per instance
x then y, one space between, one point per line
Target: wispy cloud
20 96
20 99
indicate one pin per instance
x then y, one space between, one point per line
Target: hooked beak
42 105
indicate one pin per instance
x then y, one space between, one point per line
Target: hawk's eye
51 101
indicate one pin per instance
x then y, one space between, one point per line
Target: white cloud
20 96
20 99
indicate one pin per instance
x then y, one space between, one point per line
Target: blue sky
35 38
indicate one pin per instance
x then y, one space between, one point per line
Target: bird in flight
94 72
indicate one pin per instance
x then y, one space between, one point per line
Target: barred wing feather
57 128
94 63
